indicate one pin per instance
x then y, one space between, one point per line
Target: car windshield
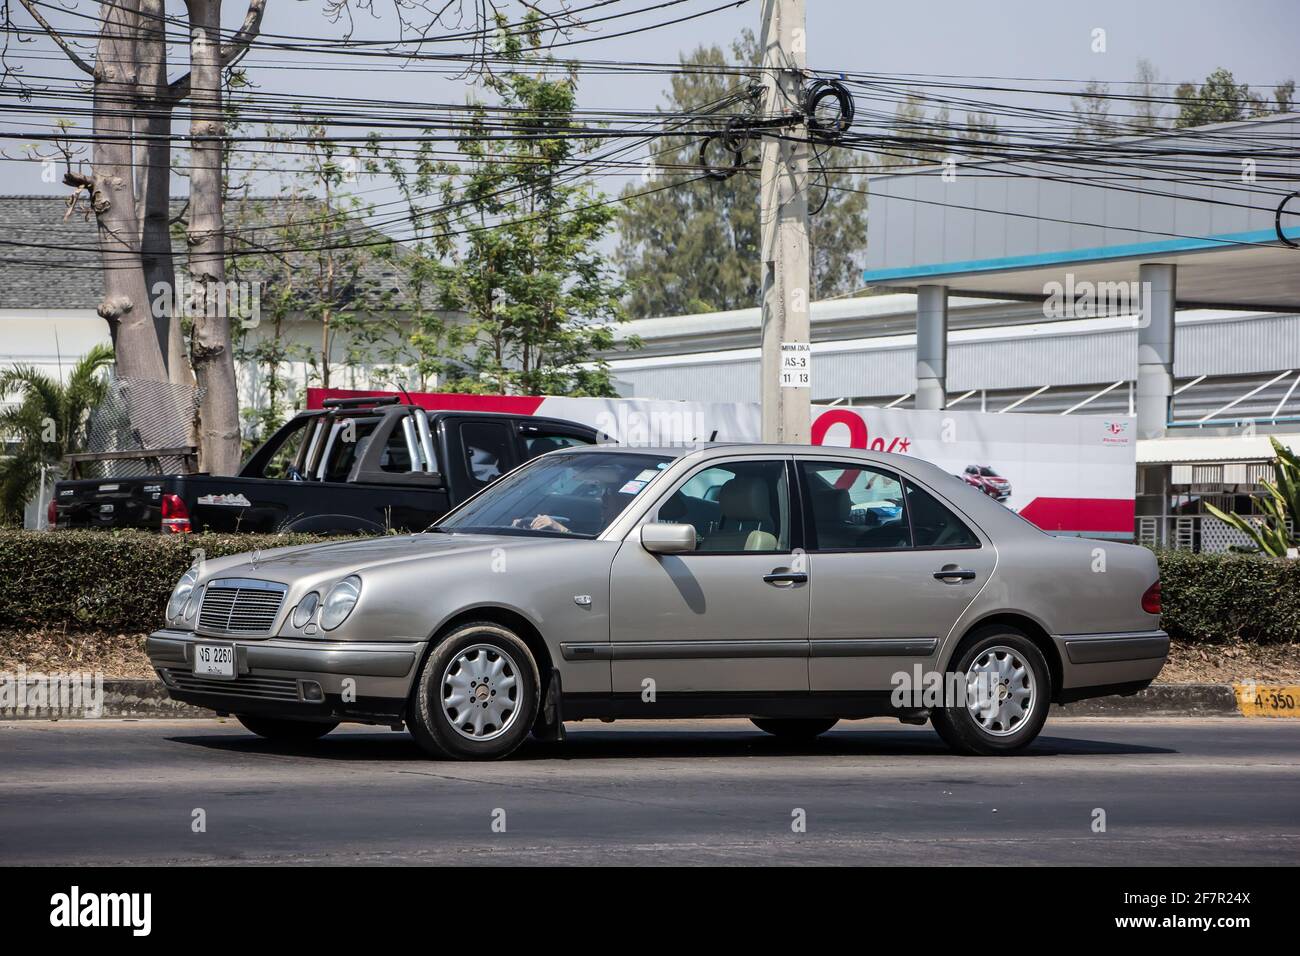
988 472
572 495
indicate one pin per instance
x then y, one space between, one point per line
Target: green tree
512 246
694 245
47 422
1221 99
315 259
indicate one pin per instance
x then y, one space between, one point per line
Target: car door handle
786 577
960 574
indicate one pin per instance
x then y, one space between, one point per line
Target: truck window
396 458
282 459
541 441
345 445
487 450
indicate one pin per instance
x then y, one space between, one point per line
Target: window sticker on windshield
632 487
646 475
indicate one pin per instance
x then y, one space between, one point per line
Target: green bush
102 580
1221 598
120 581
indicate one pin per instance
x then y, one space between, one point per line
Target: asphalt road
872 792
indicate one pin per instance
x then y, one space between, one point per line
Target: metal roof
1006 229
1166 451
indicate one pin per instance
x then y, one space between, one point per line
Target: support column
931 346
1155 375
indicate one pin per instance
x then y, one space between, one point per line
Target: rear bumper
1131 659
320 680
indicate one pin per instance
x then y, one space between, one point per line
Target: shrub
1220 598
105 580
120 581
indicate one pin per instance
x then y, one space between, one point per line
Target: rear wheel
1007 689
477 694
794 728
285 729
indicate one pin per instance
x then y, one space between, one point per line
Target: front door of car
891 569
728 618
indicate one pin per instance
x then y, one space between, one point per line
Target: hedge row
102 580
1221 598
94 580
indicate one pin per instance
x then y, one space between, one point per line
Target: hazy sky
1035 39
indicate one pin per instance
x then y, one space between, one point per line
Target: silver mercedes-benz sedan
793 585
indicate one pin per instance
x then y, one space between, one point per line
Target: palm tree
48 421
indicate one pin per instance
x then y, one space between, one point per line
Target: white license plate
214 660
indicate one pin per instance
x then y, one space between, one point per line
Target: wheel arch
506 617
1032 629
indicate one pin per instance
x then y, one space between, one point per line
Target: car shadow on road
610 743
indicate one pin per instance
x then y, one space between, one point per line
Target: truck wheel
794 728
477 694
284 729
1007 692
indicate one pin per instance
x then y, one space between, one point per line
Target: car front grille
240 606
262 688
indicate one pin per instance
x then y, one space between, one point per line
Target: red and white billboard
1070 474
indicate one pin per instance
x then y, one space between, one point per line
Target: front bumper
365 682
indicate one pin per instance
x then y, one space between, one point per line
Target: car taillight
52 514
175 516
1151 599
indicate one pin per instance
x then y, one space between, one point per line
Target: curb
147 699
137 699
1159 700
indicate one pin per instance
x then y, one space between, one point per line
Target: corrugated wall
1269 343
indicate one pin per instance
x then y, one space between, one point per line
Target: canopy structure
1180 219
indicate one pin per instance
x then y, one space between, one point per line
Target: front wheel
477 694
794 728
1003 692
286 730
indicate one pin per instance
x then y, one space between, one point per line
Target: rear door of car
891 569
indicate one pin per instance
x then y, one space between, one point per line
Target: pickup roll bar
361 402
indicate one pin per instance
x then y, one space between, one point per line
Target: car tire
1008 719
476 696
794 728
285 729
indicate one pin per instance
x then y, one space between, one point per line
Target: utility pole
783 214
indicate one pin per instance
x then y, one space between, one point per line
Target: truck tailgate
109 503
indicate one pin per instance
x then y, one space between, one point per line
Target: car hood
336 559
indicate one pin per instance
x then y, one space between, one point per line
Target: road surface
1220 791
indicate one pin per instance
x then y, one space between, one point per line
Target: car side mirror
667 538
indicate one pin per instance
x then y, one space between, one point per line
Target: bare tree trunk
211 353
125 305
154 189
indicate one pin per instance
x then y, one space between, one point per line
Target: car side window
737 507
487 450
853 507
934 525
541 441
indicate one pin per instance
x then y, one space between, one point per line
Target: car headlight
194 603
184 587
339 602
306 608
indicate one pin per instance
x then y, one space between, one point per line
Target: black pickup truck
362 465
